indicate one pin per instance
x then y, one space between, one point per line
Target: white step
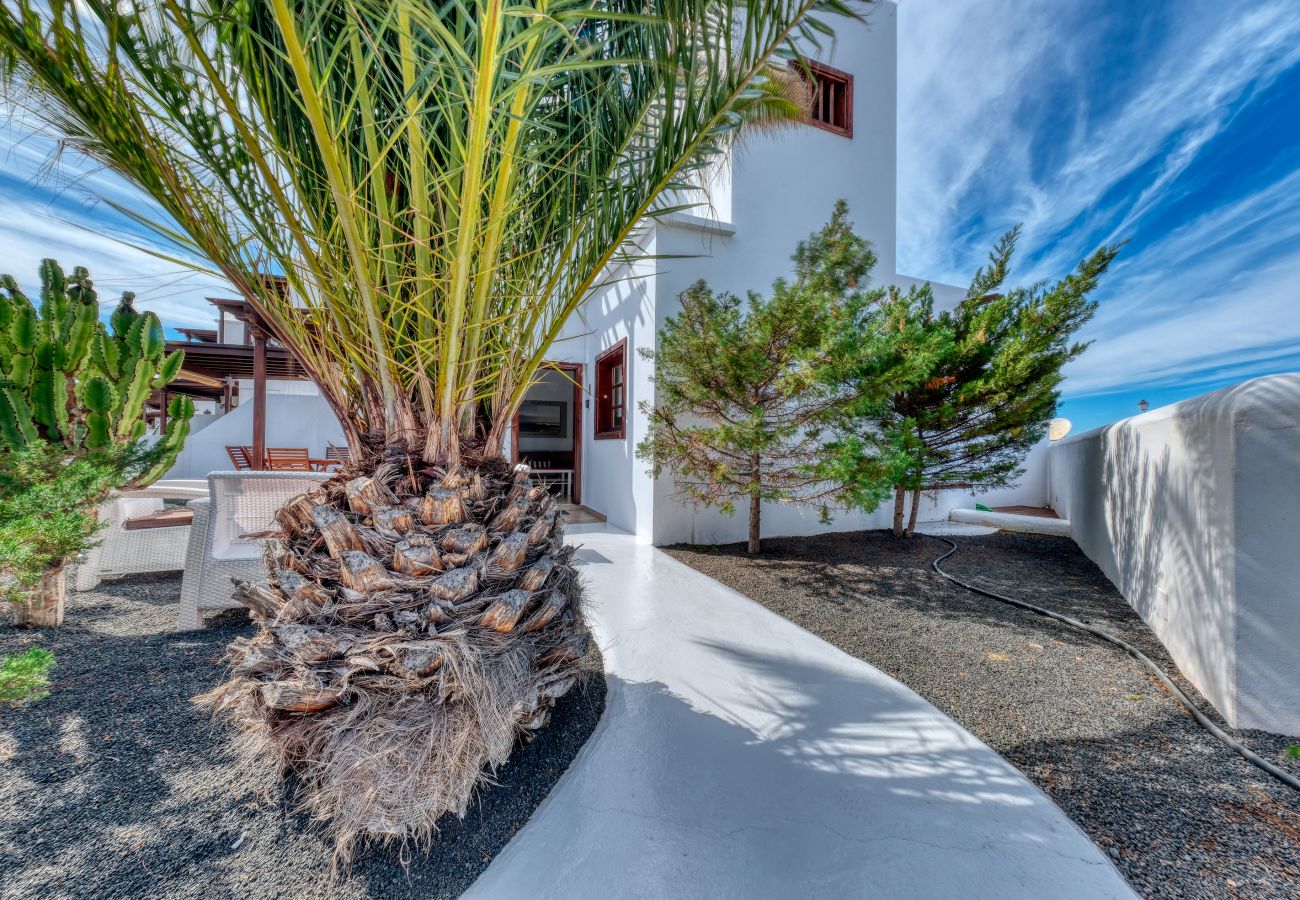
1011 522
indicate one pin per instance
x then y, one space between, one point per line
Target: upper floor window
611 391
832 97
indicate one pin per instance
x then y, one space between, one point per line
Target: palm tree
439 186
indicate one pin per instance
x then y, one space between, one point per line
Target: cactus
67 379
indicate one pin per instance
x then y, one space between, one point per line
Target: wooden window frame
610 434
821 70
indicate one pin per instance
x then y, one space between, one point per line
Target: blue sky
1174 124
44 214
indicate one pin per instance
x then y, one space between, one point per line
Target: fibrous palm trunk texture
417 623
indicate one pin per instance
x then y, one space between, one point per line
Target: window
832 97
611 392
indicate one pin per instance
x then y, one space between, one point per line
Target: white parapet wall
1193 511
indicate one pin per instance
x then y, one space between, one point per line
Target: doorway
547 431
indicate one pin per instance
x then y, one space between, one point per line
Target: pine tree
747 392
888 349
993 385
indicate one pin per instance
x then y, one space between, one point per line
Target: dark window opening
611 391
832 97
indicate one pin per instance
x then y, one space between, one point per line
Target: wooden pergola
212 367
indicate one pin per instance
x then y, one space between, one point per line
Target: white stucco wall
292 386
613 482
1193 511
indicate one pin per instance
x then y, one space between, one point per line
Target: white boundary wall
1193 511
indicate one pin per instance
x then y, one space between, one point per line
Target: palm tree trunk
43 606
900 496
443 600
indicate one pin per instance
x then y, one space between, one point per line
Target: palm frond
440 185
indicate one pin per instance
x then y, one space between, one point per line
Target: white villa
580 425
582 421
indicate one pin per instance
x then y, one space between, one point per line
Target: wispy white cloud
1030 113
49 215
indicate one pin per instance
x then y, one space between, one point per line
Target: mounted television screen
547 418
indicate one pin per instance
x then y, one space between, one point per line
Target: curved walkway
740 756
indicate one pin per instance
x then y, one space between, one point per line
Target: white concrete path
740 756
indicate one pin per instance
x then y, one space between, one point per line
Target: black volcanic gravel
114 786
1181 815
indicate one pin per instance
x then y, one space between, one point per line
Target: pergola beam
259 396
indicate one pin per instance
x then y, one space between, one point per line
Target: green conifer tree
748 393
889 348
993 383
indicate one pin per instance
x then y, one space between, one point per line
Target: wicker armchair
239 503
140 534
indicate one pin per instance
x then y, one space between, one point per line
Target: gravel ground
113 786
1181 815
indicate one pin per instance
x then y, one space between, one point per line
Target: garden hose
1245 752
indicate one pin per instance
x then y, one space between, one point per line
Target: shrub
47 507
25 677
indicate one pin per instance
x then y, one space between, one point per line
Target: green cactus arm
180 409
106 355
65 402
81 287
17 429
97 394
75 346
179 412
25 329
20 368
132 400
124 317
54 300
11 299
131 346
98 433
44 393
170 368
153 342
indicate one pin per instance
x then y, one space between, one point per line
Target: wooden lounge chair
241 458
288 459
337 456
